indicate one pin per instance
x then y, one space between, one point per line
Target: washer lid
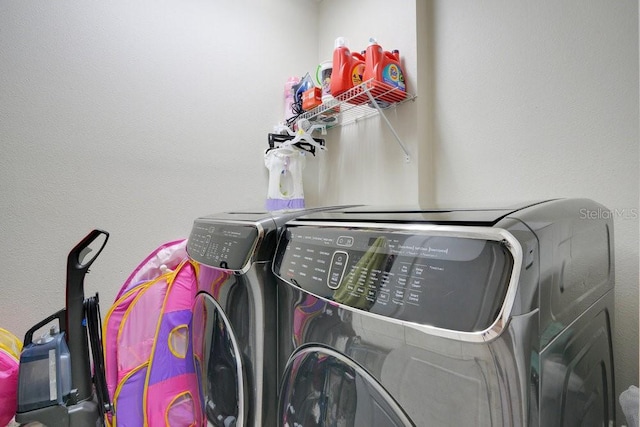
264 217
322 387
412 214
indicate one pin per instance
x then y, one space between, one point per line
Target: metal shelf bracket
365 100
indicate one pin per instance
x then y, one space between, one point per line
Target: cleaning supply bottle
386 75
341 68
289 97
347 68
44 378
323 79
328 115
357 68
357 78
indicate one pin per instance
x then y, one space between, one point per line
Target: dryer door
218 363
322 387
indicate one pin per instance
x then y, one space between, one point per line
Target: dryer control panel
449 282
220 244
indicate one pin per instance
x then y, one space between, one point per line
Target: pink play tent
10 347
149 360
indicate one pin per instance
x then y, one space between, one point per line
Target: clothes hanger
277 141
305 129
301 138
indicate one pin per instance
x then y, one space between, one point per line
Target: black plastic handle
76 327
60 315
73 261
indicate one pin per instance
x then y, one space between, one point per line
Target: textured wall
364 163
540 100
135 117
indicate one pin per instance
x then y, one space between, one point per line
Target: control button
339 259
336 271
416 284
383 298
413 298
333 281
345 241
418 271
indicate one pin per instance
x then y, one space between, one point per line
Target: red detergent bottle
348 70
384 72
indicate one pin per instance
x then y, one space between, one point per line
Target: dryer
234 315
447 317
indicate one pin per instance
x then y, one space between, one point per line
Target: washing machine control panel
454 283
222 245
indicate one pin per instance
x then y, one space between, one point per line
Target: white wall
537 100
135 117
364 163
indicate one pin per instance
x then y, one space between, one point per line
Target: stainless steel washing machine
234 315
484 317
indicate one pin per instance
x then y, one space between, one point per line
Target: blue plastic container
45 373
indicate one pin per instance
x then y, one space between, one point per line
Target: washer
483 317
234 315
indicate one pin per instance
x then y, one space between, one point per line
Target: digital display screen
447 282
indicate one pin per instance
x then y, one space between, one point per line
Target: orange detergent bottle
347 72
384 70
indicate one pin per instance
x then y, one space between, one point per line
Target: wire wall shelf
370 98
